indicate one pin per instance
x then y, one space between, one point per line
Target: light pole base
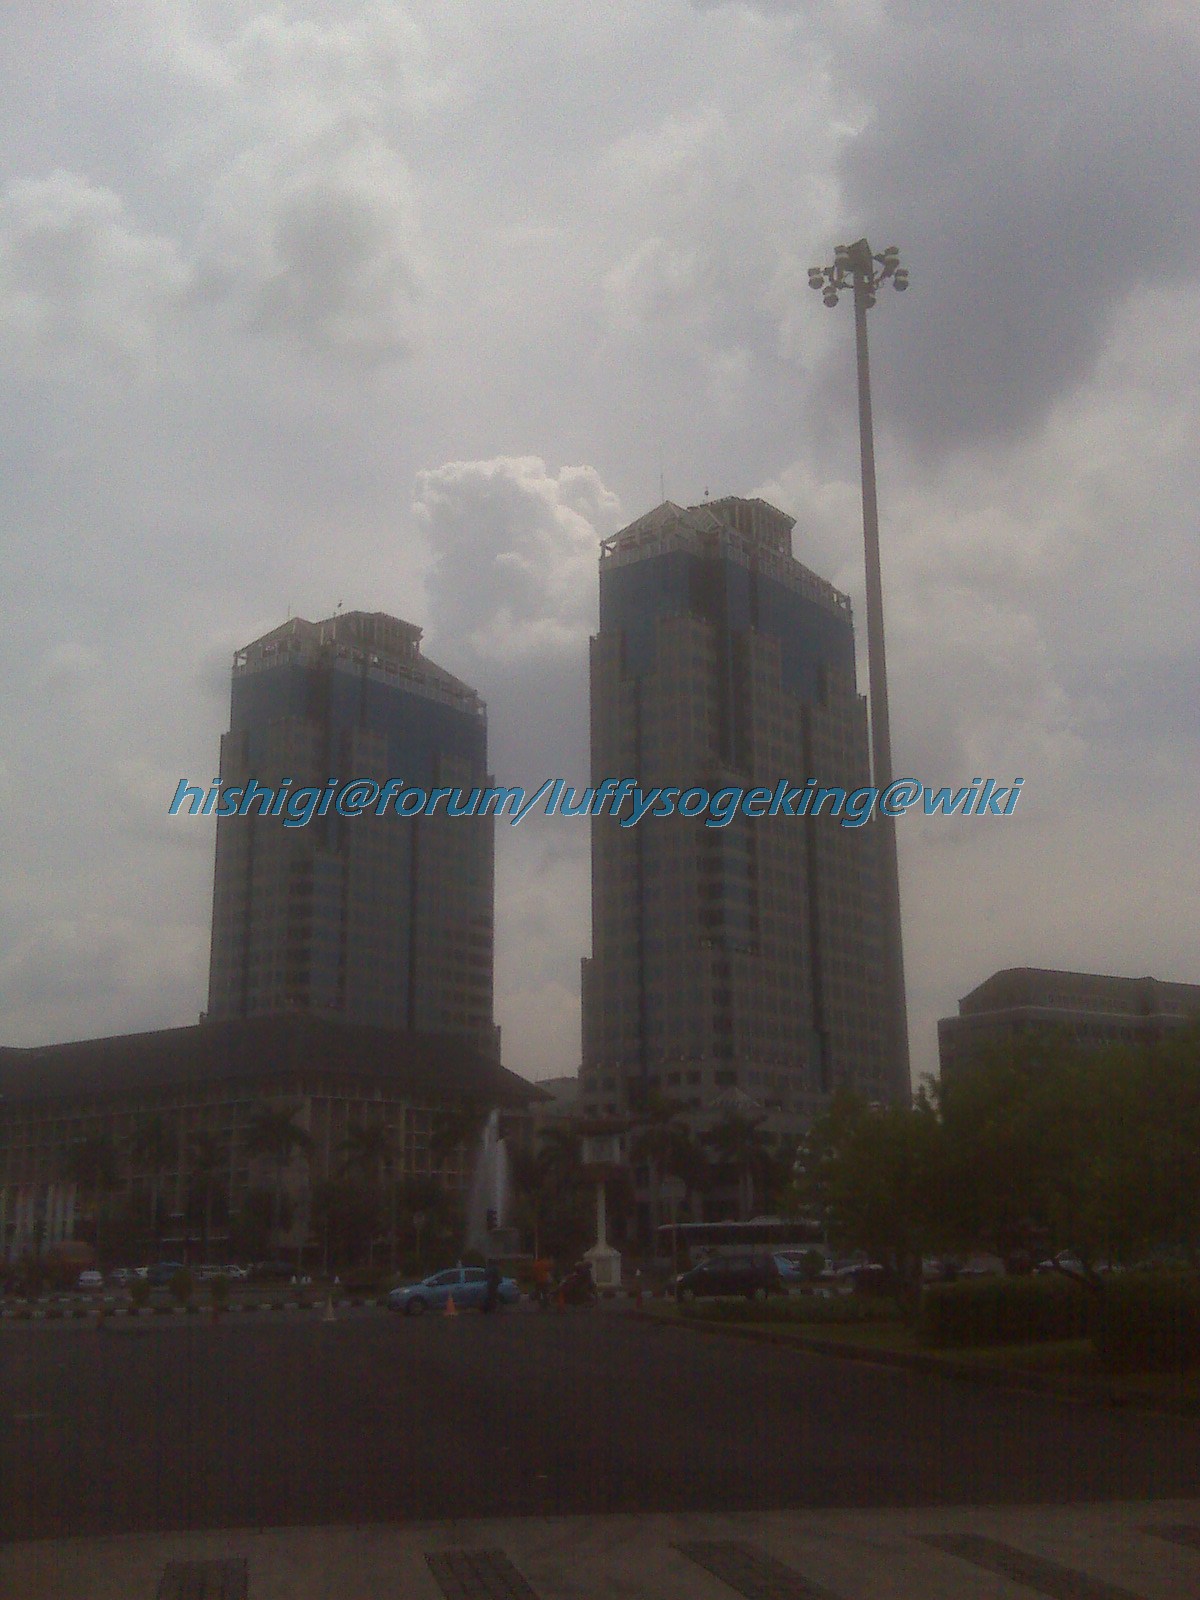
605 1263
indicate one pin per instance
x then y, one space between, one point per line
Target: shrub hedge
810 1309
1149 1322
182 1286
1137 1322
1004 1311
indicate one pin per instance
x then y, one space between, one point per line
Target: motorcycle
577 1288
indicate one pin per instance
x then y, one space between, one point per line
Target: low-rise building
1088 1007
59 1102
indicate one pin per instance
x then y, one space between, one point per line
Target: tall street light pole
855 267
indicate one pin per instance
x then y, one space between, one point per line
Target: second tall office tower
748 957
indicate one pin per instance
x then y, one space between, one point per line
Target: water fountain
489 1197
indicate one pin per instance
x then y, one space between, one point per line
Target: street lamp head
816 278
831 298
900 279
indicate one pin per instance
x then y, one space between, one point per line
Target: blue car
468 1285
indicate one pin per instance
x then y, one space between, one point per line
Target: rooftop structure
1090 1007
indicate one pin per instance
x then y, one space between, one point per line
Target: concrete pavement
1149 1550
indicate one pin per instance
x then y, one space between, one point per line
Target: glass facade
746 957
383 920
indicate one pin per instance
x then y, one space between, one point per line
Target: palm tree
155 1149
455 1130
372 1149
274 1134
208 1157
564 1202
559 1154
345 1213
662 1141
425 1202
545 1178
739 1143
92 1166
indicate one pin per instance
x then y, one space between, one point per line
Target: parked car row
159 1274
756 1274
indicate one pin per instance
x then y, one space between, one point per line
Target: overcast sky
406 305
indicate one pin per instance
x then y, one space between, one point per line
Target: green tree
345 1213
1168 1083
741 1146
662 1141
250 1228
370 1150
875 1172
553 1202
92 1165
427 1208
1097 1150
456 1131
1005 1144
154 1151
274 1135
207 1157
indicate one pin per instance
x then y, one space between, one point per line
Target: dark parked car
751 1275
273 1271
159 1275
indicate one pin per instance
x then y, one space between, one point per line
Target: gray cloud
297 301
79 280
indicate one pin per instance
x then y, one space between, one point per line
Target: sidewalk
1127 1551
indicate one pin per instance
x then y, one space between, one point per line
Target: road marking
477 1575
1045 1577
751 1572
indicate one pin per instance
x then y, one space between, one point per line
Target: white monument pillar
603 1152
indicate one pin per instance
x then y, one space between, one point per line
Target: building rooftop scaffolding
750 532
370 642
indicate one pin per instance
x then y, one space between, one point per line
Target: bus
777 1234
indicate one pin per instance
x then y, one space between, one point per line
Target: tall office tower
383 920
747 957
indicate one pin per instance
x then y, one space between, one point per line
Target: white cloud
351 240
515 551
316 240
78 278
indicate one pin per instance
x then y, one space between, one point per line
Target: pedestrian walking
491 1297
543 1272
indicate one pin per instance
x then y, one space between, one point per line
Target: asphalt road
289 1421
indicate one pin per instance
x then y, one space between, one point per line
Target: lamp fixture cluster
854 264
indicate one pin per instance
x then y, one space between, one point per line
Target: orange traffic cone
451 1308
